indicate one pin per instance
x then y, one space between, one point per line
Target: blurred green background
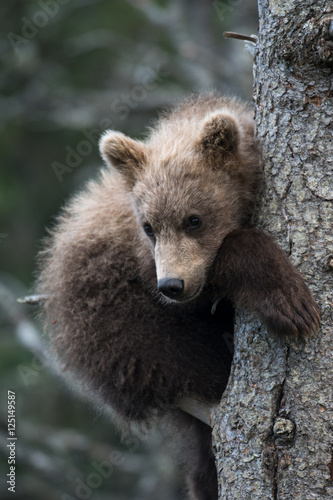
71 69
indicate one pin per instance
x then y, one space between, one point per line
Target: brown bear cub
142 257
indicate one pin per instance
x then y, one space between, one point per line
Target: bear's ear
219 137
124 154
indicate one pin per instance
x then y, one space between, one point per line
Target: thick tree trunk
273 432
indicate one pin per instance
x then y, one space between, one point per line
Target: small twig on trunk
238 36
33 299
198 409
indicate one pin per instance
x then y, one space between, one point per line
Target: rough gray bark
273 432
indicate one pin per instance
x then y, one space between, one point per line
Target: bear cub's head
191 183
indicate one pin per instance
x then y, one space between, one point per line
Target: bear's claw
291 317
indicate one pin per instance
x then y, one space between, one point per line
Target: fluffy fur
193 183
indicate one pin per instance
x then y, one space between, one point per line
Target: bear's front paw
291 311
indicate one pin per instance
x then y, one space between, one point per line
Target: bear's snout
171 287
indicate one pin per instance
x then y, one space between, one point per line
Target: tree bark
273 432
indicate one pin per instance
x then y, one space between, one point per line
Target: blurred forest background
71 69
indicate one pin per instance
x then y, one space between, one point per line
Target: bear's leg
193 446
254 273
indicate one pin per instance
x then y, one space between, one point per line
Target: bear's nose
171 287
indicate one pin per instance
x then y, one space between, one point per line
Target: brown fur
135 350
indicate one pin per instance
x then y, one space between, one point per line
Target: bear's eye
148 229
194 222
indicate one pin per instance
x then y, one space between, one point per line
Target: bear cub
144 267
